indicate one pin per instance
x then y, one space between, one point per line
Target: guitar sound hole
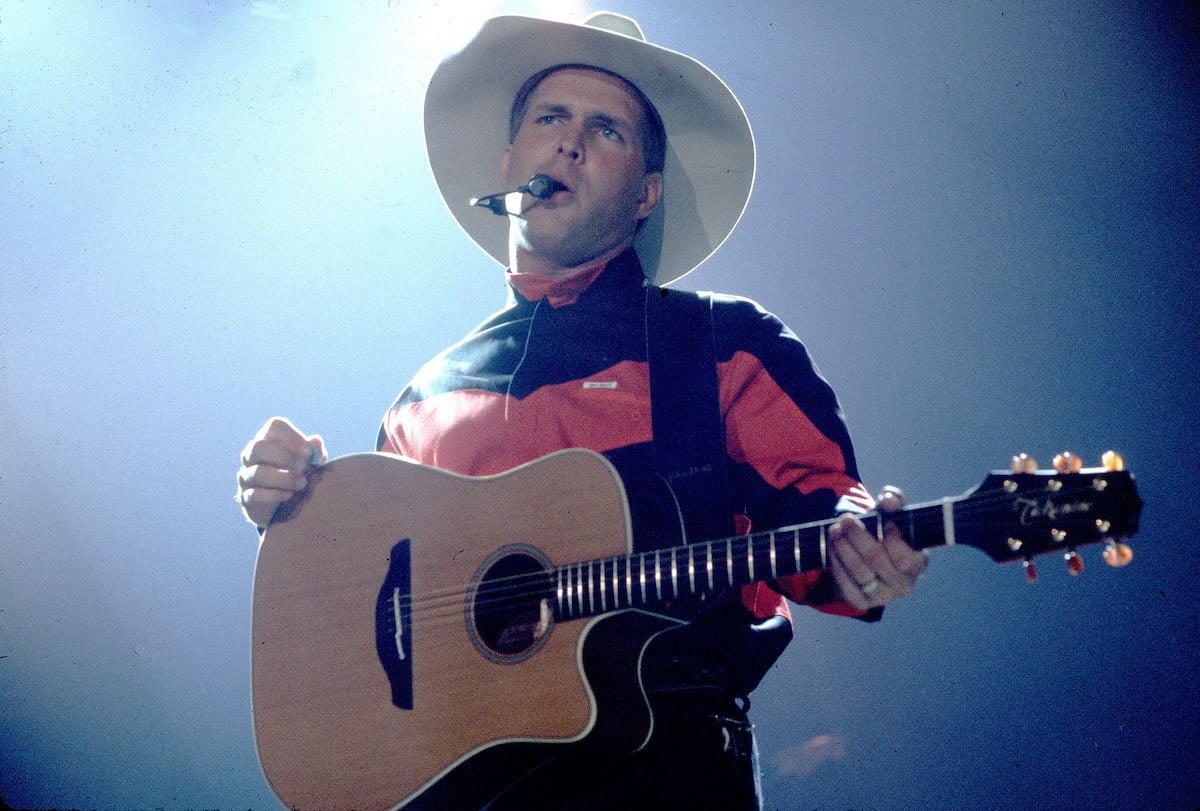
508 616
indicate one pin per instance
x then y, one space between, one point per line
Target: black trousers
701 756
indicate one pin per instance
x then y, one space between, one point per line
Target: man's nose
572 145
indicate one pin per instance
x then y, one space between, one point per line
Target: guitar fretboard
658 577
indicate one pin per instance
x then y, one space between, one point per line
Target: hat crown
616 23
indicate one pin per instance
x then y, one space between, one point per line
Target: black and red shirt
564 365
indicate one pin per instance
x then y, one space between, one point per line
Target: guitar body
375 683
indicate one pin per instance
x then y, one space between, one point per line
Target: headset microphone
539 187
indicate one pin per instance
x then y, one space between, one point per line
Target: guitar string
743 543
519 582
516 589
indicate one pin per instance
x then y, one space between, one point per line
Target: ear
651 194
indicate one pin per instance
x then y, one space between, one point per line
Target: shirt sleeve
787 441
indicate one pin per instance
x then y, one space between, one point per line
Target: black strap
685 408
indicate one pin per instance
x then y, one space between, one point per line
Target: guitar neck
659 577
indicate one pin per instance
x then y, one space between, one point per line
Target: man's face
582 128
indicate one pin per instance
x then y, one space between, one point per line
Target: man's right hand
273 468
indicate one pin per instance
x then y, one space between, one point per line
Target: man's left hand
869 572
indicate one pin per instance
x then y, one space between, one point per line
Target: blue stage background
982 218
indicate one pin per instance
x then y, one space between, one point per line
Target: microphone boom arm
540 187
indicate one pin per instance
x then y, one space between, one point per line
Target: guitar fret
642 576
658 577
603 582
558 589
824 558
579 588
947 522
774 571
674 575
566 597
591 572
709 567
583 587
729 561
573 592
616 585
750 557
629 582
796 548
691 570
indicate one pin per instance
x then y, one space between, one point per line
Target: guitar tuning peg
1112 462
1024 463
1067 462
1074 563
1030 571
1118 554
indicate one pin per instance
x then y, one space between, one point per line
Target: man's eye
548 118
610 134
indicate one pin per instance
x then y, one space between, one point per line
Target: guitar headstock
1025 512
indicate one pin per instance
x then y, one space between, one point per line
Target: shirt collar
557 292
561 292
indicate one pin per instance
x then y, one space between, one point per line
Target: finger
260 503
267 452
858 549
319 455
281 444
264 497
271 477
281 429
853 575
907 561
848 589
890 499
879 571
860 594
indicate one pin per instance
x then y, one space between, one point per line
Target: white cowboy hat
710 149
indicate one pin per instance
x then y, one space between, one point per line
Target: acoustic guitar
422 639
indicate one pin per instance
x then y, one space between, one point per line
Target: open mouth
546 191
543 187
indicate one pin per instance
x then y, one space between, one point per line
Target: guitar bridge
393 625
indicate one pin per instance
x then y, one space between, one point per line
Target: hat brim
709 168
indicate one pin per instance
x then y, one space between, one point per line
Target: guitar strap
685 409
689 445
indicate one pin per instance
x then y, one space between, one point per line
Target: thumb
319 454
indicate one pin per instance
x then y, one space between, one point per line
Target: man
650 162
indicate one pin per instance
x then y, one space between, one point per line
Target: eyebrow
596 118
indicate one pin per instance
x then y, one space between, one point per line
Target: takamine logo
1032 510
